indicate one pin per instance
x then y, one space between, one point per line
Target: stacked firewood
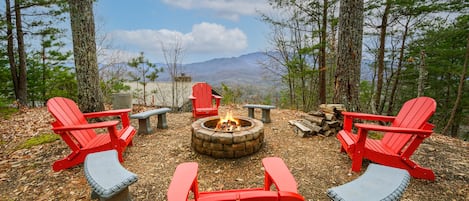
326 121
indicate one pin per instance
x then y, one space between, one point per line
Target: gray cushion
106 175
377 183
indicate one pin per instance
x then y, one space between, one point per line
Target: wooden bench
106 176
144 125
265 111
379 182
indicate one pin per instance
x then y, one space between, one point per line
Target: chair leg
421 173
67 163
357 161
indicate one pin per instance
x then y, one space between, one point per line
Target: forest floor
315 162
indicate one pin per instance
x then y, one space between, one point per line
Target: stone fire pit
227 144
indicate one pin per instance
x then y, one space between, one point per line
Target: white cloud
228 9
208 37
205 38
112 56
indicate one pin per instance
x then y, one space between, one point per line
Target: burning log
228 124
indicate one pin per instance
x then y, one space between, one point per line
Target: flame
228 123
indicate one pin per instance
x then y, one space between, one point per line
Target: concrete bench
144 126
377 183
107 178
265 111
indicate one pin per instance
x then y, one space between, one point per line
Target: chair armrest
277 173
365 116
106 113
123 113
86 126
184 180
420 132
349 116
290 196
217 100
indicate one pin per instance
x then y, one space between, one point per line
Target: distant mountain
246 69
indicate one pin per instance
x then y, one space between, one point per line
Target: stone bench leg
124 195
144 126
251 113
266 115
162 121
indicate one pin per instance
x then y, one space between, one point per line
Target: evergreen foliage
145 72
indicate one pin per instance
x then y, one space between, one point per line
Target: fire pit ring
227 144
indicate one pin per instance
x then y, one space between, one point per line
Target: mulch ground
315 162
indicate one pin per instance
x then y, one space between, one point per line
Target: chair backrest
203 93
67 113
414 114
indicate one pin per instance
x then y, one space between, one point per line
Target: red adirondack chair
406 131
202 101
275 171
80 136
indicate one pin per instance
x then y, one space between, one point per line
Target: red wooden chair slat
202 101
185 181
72 125
400 140
275 173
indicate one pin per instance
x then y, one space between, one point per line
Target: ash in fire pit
231 137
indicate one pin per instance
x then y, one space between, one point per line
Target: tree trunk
381 50
399 67
457 102
11 47
90 97
322 57
422 75
347 77
22 81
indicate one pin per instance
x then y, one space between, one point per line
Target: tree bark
399 68
457 102
22 95
422 75
90 97
381 50
322 57
10 47
347 77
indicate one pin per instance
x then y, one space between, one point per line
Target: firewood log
314 119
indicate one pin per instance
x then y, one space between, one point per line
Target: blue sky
204 29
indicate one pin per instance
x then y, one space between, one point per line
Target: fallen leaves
315 162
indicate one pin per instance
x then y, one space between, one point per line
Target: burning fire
228 123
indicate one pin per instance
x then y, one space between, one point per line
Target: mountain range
246 69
